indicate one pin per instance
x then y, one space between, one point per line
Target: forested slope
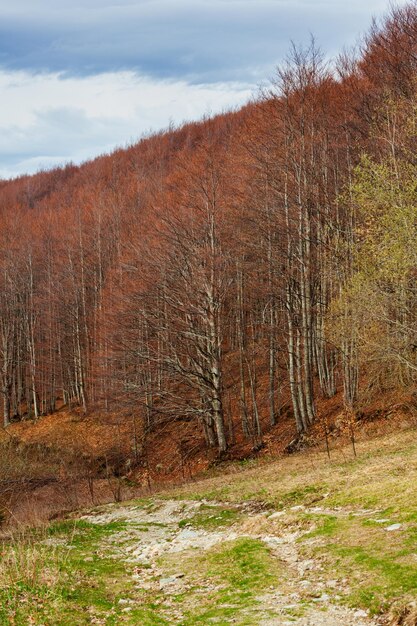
231 271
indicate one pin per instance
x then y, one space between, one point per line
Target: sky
80 78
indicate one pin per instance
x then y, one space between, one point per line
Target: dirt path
161 538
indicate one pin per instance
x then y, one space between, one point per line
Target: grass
210 518
325 526
32 582
381 565
244 565
234 574
42 582
66 574
386 577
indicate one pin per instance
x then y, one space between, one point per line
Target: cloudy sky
78 78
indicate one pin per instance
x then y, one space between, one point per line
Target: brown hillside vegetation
243 285
67 461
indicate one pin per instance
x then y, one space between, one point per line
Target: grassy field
380 564
354 517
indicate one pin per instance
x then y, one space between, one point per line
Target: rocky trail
167 544
310 542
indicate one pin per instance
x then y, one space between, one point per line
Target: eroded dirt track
172 546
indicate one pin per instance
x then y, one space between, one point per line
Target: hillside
240 286
208 339
305 540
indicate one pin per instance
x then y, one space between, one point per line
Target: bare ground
154 540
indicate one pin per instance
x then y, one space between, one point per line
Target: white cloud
197 40
47 119
83 76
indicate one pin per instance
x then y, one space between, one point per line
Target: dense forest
231 270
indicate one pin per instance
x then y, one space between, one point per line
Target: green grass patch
245 566
83 531
210 518
383 577
302 495
325 526
225 583
63 584
379 565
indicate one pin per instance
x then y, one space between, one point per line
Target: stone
170 580
323 598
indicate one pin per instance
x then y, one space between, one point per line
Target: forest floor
303 540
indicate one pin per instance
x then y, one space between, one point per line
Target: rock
167 581
393 527
323 598
170 580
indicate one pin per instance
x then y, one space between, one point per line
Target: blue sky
80 78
